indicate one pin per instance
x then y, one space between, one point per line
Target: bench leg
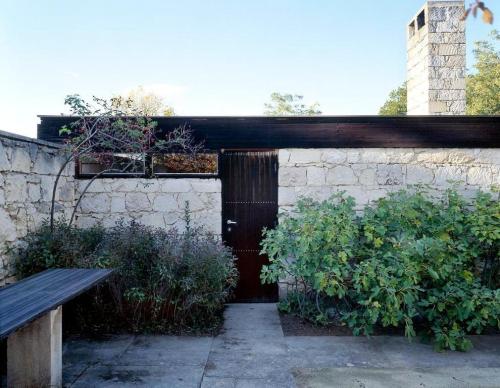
34 353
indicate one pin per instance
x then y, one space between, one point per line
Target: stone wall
370 173
27 173
436 60
157 202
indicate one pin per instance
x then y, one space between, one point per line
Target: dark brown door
249 203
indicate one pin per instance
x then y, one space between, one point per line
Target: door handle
229 222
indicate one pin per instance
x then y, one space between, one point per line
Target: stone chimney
436 60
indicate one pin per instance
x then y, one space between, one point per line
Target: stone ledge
26 139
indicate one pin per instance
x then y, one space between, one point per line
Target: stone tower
436 60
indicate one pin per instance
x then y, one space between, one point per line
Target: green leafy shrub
313 248
427 264
164 281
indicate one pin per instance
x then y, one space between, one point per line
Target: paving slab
387 352
79 354
251 351
148 361
145 376
166 350
317 352
396 378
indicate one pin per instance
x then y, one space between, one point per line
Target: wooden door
249 203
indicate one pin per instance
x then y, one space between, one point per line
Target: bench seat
31 319
28 299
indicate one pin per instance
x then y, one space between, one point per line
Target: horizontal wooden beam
323 131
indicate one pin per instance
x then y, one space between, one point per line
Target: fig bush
428 264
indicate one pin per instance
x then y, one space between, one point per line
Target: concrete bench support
34 353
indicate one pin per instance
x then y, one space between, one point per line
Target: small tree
138 101
289 105
396 103
483 86
115 139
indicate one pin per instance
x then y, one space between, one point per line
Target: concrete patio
251 351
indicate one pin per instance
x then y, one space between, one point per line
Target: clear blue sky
218 57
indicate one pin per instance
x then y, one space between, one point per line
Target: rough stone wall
27 173
436 60
370 173
156 202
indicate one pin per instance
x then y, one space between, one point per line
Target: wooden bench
31 319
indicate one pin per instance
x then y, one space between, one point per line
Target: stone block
137 202
283 157
65 191
367 177
211 201
444 175
449 49
304 156
175 185
458 107
16 188
362 196
316 176
353 155
341 175
20 159
374 155
316 193
489 156
292 176
417 174
8 231
286 196
194 199
437 107
46 186
95 203
118 204
97 186
34 192
437 60
390 174
166 203
124 185
456 61
482 176
462 156
334 156
152 219
46 163
34 353
4 160
206 185
437 14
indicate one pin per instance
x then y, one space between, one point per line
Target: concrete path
252 352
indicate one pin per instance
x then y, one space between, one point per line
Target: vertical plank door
249 203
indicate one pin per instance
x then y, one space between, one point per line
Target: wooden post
34 353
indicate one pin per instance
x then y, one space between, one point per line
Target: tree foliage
139 102
483 86
118 141
429 264
289 105
396 103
